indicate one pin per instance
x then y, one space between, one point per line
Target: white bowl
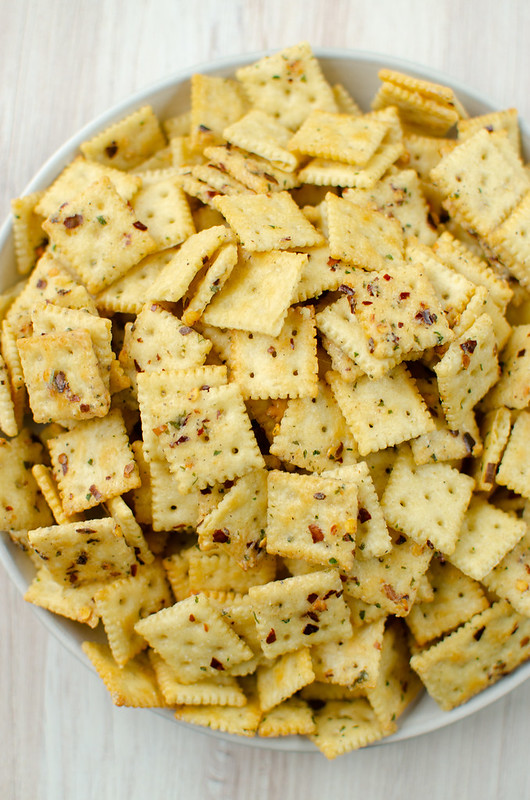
358 72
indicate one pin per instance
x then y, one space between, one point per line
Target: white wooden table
61 63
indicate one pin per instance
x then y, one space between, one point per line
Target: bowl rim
59 627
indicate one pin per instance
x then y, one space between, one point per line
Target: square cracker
77 553
346 725
93 462
22 505
131 685
222 690
300 612
29 239
339 137
258 293
383 412
240 721
514 469
162 206
289 84
510 579
353 661
208 282
219 572
127 143
100 235
128 294
278 681
281 366
417 498
72 602
509 241
270 221
252 171
291 717
495 431
312 517
262 134
215 103
513 387
206 437
475 656
194 639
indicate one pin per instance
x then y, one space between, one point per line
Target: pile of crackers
264 388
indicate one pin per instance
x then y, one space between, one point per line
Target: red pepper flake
332 262
73 577
387 277
350 294
60 382
111 150
319 496
309 629
139 225
205 626
134 569
367 303
426 316
316 533
524 641
84 407
82 558
180 440
469 346
271 636
73 222
331 593
364 515
404 295
216 664
63 461
94 491
313 616
191 618
221 535
128 469
159 429
312 597
392 594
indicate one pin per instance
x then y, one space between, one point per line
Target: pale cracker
345 725
72 602
252 171
141 495
321 273
176 567
193 638
353 661
506 120
346 104
171 509
215 103
163 207
206 284
324 172
300 612
223 690
8 421
339 137
475 656
288 84
416 498
340 362
509 242
434 91
513 387
284 677
418 112
22 505
495 431
128 294
514 469
132 532
131 685
480 303
262 134
290 718
510 579
93 462
48 486
229 719
128 142
217 571
29 239
100 234
269 221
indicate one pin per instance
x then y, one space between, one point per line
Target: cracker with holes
133 684
29 239
291 717
325 172
514 469
475 656
8 418
362 237
495 431
416 498
237 524
300 612
127 143
22 505
258 293
510 579
215 103
312 433
281 679
194 639
352 662
320 274
339 137
467 370
48 486
382 412
513 387
128 294
208 282
509 241
123 602
206 437
288 84
132 531
77 553
93 462
505 120
100 235
456 599
262 134
253 171
486 536
223 690
219 572
73 602
312 517
264 222
162 206
345 725
283 366
229 719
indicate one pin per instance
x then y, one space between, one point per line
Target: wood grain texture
61 64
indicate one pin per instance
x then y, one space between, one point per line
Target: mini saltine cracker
312 517
176 567
163 207
206 182
313 433
475 656
418 113
340 362
14 373
487 534
93 462
321 273
22 505
372 537
8 420
134 684
48 486
29 239
382 412
170 508
141 495
258 293
252 171
77 553
353 661
72 602
495 431
219 572
128 294
215 103
132 532
99 233
229 719
416 500
206 437
208 282
176 276
300 612
510 579
509 241
513 387
261 134
122 603
325 172
79 174
237 524
363 237
292 717
289 84
339 137
346 104
481 302
284 677
389 582
223 690
467 370
270 221
426 89
127 143
345 725
484 180
282 366
194 639
514 469
506 120
456 599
